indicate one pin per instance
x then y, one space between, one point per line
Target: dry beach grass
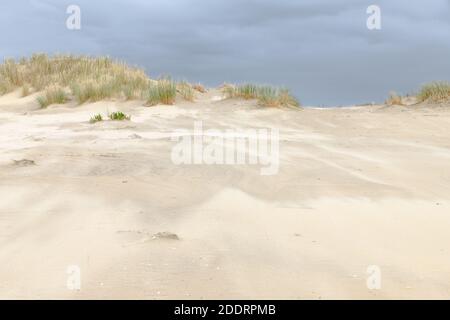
90 79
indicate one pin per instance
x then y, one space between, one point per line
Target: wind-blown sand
356 187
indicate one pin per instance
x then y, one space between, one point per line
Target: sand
357 187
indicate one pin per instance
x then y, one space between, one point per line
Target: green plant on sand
96 118
119 115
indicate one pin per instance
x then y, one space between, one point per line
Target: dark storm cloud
322 50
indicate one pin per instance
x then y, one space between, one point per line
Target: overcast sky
321 49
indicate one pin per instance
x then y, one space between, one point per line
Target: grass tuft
394 99
119 116
93 91
186 91
435 92
96 118
267 96
52 95
163 92
199 87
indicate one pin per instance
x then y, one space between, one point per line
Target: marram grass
199 87
394 99
266 95
61 78
89 78
52 95
162 92
435 92
186 90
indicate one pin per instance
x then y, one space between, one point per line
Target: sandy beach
356 187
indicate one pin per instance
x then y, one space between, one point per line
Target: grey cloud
322 49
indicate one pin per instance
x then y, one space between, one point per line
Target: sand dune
356 187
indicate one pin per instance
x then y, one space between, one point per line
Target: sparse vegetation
286 99
186 91
53 95
96 118
228 90
394 99
266 95
199 87
249 91
435 92
163 92
119 115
